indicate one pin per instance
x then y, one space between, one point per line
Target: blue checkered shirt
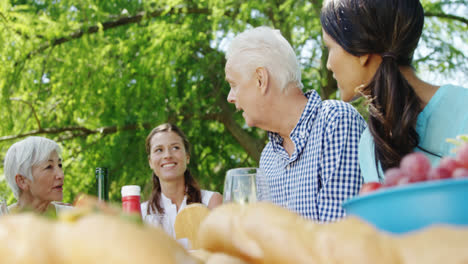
323 170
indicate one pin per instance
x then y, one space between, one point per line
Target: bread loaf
28 238
265 233
188 221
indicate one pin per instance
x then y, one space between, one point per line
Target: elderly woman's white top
167 220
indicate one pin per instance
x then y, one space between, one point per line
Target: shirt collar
168 202
301 131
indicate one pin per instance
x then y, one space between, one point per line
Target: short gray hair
22 155
266 47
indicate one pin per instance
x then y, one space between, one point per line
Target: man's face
243 92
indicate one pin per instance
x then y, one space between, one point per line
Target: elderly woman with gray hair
33 170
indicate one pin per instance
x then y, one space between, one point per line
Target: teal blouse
445 116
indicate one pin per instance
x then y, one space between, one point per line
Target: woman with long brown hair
371 46
173 185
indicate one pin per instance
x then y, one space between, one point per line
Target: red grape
460 173
393 176
416 165
403 181
462 155
370 187
449 163
439 173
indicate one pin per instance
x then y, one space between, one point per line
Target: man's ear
364 59
22 182
262 79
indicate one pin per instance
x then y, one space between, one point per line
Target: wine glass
61 207
263 189
240 186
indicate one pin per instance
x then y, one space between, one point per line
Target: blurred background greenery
97 76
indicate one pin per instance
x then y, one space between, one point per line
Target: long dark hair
391 28
191 186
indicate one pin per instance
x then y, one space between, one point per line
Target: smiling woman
33 169
173 185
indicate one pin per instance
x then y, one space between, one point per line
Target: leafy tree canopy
97 76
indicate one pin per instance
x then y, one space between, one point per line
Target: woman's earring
360 89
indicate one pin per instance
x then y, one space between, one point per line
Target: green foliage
65 66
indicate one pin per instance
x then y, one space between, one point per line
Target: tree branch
33 110
447 16
77 131
113 24
425 57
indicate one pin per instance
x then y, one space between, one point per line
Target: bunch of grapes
416 167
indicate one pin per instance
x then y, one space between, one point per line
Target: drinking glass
61 207
263 189
240 186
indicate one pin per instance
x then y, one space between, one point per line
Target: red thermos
131 199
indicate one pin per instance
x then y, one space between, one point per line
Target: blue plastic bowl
408 208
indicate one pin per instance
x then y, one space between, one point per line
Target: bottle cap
131 190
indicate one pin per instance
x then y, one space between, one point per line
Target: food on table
435 245
86 237
265 233
369 187
460 173
215 258
188 221
415 167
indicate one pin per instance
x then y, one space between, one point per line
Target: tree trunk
252 146
329 85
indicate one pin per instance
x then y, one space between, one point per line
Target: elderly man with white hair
33 170
311 164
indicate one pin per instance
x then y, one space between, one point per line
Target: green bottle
102 183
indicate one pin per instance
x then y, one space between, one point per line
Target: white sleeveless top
167 220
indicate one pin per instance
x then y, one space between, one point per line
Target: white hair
22 155
266 47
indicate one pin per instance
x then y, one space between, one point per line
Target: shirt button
287 167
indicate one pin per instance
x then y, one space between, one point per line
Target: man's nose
231 97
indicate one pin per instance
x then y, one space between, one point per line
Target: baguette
107 239
266 233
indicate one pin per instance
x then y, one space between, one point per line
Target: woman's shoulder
367 157
206 196
451 91
211 199
448 102
455 87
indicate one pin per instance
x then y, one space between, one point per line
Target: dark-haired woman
173 185
371 46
